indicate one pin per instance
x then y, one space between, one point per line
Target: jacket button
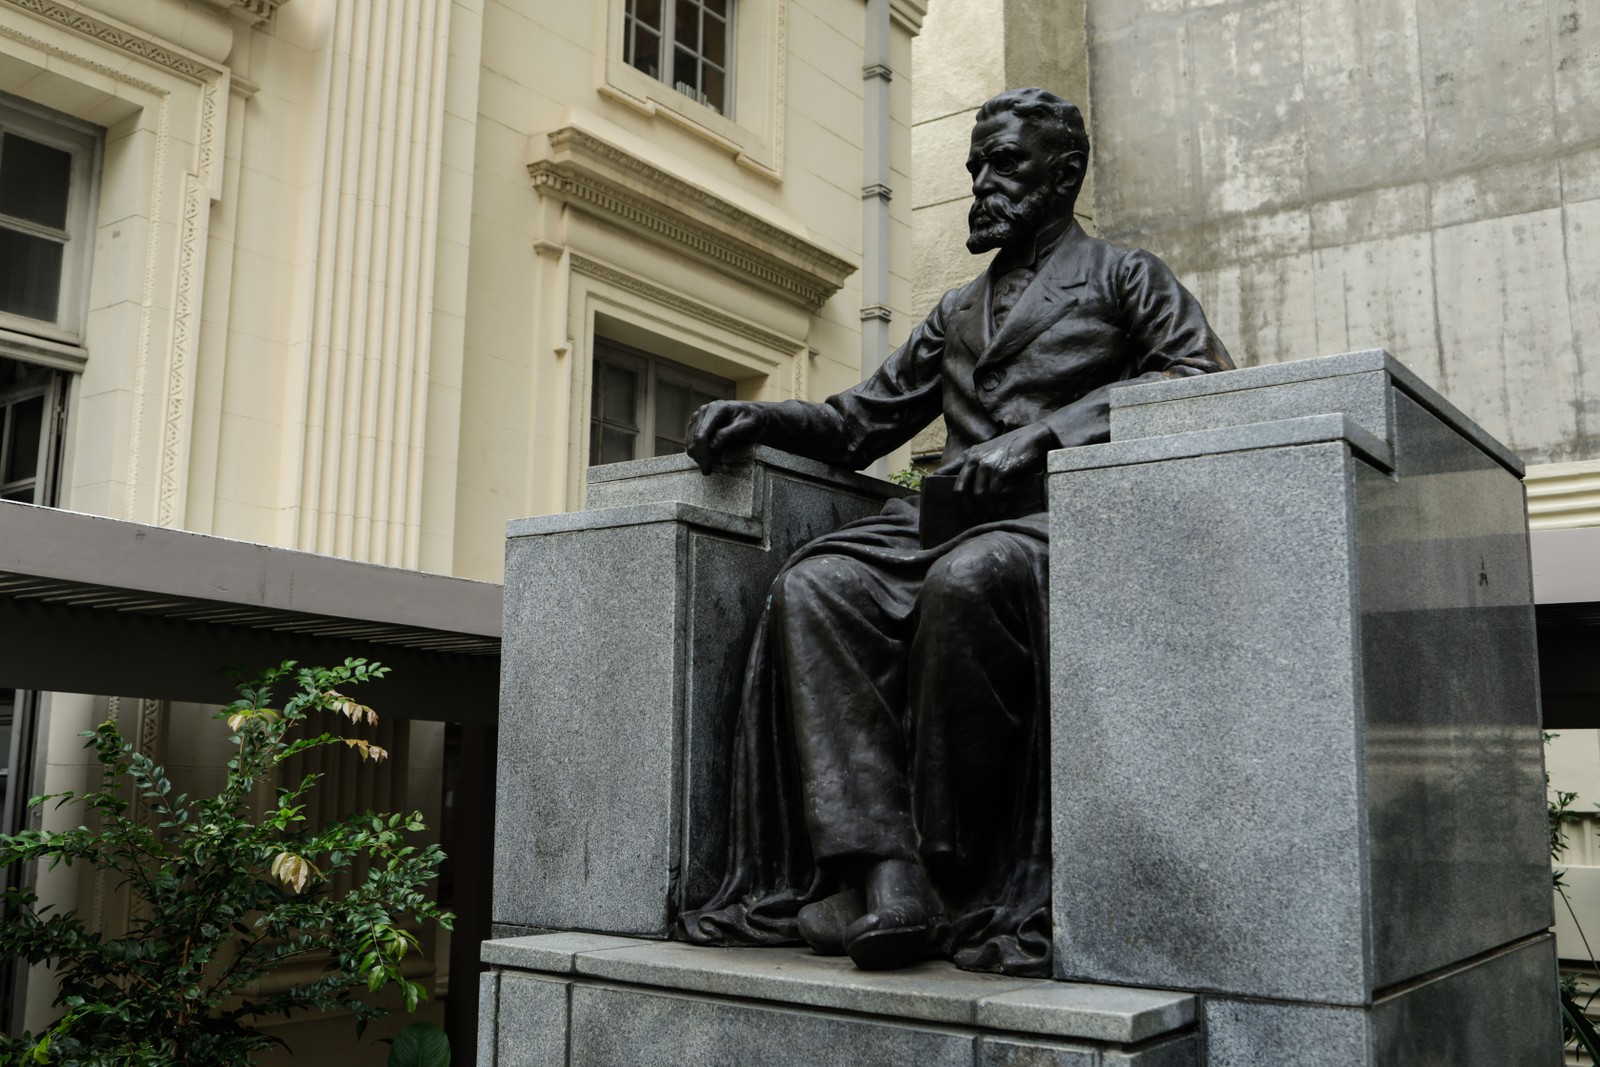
988 381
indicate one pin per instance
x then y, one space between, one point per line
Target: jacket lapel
1043 302
971 324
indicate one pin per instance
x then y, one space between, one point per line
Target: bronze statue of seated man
890 778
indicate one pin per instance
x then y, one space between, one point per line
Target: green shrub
223 897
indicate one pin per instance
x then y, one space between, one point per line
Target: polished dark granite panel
1454 764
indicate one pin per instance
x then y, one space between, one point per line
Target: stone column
626 630
1296 749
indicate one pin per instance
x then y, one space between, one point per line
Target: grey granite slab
1305 430
1363 398
488 1017
1090 1012
589 797
531 1030
630 1027
1498 1010
995 1051
1182 1051
656 511
1305 370
1502 1009
1205 745
933 991
1453 756
1253 1033
550 953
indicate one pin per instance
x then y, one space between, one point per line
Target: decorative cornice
909 14
602 179
119 37
667 298
259 12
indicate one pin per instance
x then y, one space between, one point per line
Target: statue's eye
1003 164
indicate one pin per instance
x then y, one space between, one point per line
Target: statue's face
1016 181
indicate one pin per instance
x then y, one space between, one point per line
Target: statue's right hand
720 426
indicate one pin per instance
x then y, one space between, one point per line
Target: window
32 408
640 404
683 43
47 171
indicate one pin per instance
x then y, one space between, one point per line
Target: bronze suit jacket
1095 315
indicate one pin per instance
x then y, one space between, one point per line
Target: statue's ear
1069 172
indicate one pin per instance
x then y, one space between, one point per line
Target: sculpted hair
1059 120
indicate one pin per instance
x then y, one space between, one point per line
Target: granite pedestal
1296 765
1297 761
626 630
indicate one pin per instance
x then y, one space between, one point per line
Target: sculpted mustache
994 209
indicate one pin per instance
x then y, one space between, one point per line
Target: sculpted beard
995 221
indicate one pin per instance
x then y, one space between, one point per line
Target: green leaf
420 1045
1587 1038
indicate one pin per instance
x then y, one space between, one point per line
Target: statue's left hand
996 464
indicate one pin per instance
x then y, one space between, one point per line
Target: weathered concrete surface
1421 175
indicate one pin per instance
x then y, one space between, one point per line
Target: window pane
644 52
685 75
30 275
616 446
686 25
716 42
666 446
672 410
27 419
619 404
717 7
34 181
715 89
647 12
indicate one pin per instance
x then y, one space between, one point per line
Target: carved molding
119 37
595 176
677 301
259 12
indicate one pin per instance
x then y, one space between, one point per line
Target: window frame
756 77
84 142
52 388
649 370
668 45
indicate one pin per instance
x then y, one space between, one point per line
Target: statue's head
1029 152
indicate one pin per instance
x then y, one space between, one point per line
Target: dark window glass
646 51
34 181
685 72
718 7
687 30
27 419
30 274
616 446
715 87
716 43
672 412
620 390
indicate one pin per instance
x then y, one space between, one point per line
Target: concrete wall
1420 175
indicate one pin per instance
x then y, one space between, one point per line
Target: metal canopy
97 605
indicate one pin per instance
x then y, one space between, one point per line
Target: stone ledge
1307 430
930 992
1305 370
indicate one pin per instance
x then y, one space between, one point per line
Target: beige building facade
371 277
